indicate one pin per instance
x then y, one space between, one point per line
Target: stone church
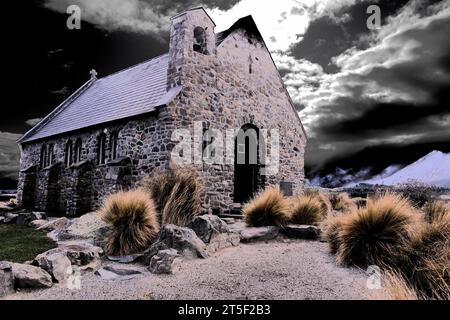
115 130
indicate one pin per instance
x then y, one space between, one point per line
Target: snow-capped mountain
433 169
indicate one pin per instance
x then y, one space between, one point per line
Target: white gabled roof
130 92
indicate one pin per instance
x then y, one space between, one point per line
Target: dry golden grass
177 193
342 202
378 233
308 209
436 210
398 288
324 200
428 262
267 208
391 233
133 219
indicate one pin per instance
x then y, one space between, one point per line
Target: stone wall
81 187
235 84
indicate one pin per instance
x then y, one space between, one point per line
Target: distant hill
432 169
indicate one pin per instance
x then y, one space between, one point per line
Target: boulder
182 239
79 253
110 272
2 219
6 279
28 276
10 218
165 261
24 219
259 233
38 223
222 241
208 226
56 264
55 224
301 232
88 227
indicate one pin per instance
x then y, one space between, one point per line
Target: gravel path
274 270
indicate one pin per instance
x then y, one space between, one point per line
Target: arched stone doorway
248 153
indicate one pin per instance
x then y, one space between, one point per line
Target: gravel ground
274 270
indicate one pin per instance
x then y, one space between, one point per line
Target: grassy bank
19 244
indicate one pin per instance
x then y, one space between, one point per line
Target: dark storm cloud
394 92
142 16
330 35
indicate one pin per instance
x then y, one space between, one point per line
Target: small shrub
267 208
342 202
307 209
436 210
177 194
133 219
416 192
378 233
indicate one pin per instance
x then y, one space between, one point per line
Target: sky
368 98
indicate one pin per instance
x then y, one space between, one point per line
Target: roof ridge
133 66
57 110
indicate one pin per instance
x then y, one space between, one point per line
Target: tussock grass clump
436 210
267 208
331 228
378 233
307 209
391 233
342 202
324 200
177 194
427 265
133 219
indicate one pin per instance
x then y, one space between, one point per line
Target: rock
24 219
301 232
207 226
6 279
109 272
27 276
79 253
259 233
182 239
10 218
165 261
56 264
38 223
126 259
222 241
87 227
55 224
2 220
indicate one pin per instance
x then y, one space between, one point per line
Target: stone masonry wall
220 91
74 190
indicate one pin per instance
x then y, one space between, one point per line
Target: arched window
114 145
78 149
50 155
68 157
101 149
42 160
200 40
